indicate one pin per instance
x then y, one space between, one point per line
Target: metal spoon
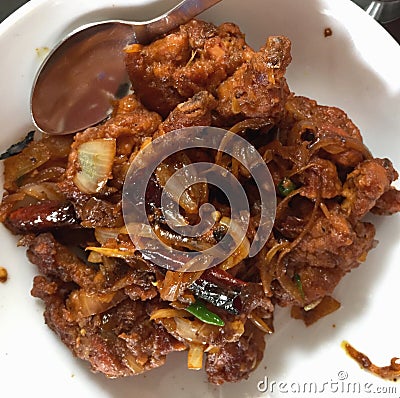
383 11
76 84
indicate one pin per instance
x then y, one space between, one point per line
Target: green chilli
200 311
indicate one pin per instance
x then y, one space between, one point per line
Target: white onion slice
95 159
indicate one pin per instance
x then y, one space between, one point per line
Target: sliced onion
312 305
250 124
198 332
201 333
242 250
175 283
325 307
19 165
83 304
49 174
176 188
112 252
43 191
141 230
391 372
103 234
240 253
198 262
95 160
260 323
169 313
192 331
189 199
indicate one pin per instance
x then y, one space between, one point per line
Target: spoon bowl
85 73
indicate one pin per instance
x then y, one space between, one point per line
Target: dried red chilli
221 289
17 148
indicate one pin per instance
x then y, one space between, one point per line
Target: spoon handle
382 10
181 13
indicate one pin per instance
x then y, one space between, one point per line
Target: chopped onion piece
95 258
110 252
83 304
132 364
175 283
133 48
42 191
32 157
195 356
103 234
95 160
241 252
169 313
190 330
141 230
212 349
238 327
260 323
243 248
312 305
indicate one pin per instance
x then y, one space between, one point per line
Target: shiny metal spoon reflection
77 83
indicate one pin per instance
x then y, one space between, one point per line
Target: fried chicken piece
365 185
56 261
258 88
302 108
320 178
197 56
197 111
334 242
388 203
326 126
235 361
331 248
119 342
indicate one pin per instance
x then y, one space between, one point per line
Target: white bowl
356 69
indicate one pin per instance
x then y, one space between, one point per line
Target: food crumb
327 32
42 51
390 372
3 275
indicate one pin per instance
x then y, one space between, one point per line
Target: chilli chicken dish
124 314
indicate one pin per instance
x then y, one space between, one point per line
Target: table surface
9 6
